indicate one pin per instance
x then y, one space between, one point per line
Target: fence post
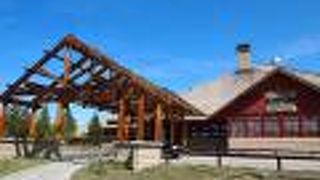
278 158
279 167
219 160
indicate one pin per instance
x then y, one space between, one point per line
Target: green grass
8 166
117 171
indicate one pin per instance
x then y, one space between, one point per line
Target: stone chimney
244 58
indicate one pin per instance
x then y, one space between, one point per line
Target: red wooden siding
251 109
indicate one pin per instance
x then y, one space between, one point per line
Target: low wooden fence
277 155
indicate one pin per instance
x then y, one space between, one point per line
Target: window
238 128
245 126
271 125
254 128
285 125
201 131
291 126
311 126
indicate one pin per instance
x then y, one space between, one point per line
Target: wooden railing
277 155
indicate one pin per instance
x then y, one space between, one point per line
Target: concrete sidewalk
51 171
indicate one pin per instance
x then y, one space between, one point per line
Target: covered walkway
73 72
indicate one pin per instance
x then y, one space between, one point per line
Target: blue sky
174 43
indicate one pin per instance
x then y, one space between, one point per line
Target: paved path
52 171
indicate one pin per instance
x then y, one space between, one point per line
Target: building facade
267 107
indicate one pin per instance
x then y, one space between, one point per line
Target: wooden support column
281 125
67 68
300 121
141 118
246 127
62 104
230 125
171 124
126 131
262 125
60 120
172 130
121 120
33 123
184 132
2 120
158 123
264 117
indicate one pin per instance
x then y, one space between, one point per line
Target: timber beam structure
90 78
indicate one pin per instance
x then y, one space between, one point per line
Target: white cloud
307 46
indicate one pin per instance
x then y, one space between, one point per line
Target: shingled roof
212 96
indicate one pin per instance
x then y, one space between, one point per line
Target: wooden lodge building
263 107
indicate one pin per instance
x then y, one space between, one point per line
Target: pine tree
14 128
43 126
18 128
70 128
45 141
14 121
95 130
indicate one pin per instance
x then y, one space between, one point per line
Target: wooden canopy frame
84 76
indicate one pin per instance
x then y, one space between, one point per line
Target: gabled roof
211 97
94 80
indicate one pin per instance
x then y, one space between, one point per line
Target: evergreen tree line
42 137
